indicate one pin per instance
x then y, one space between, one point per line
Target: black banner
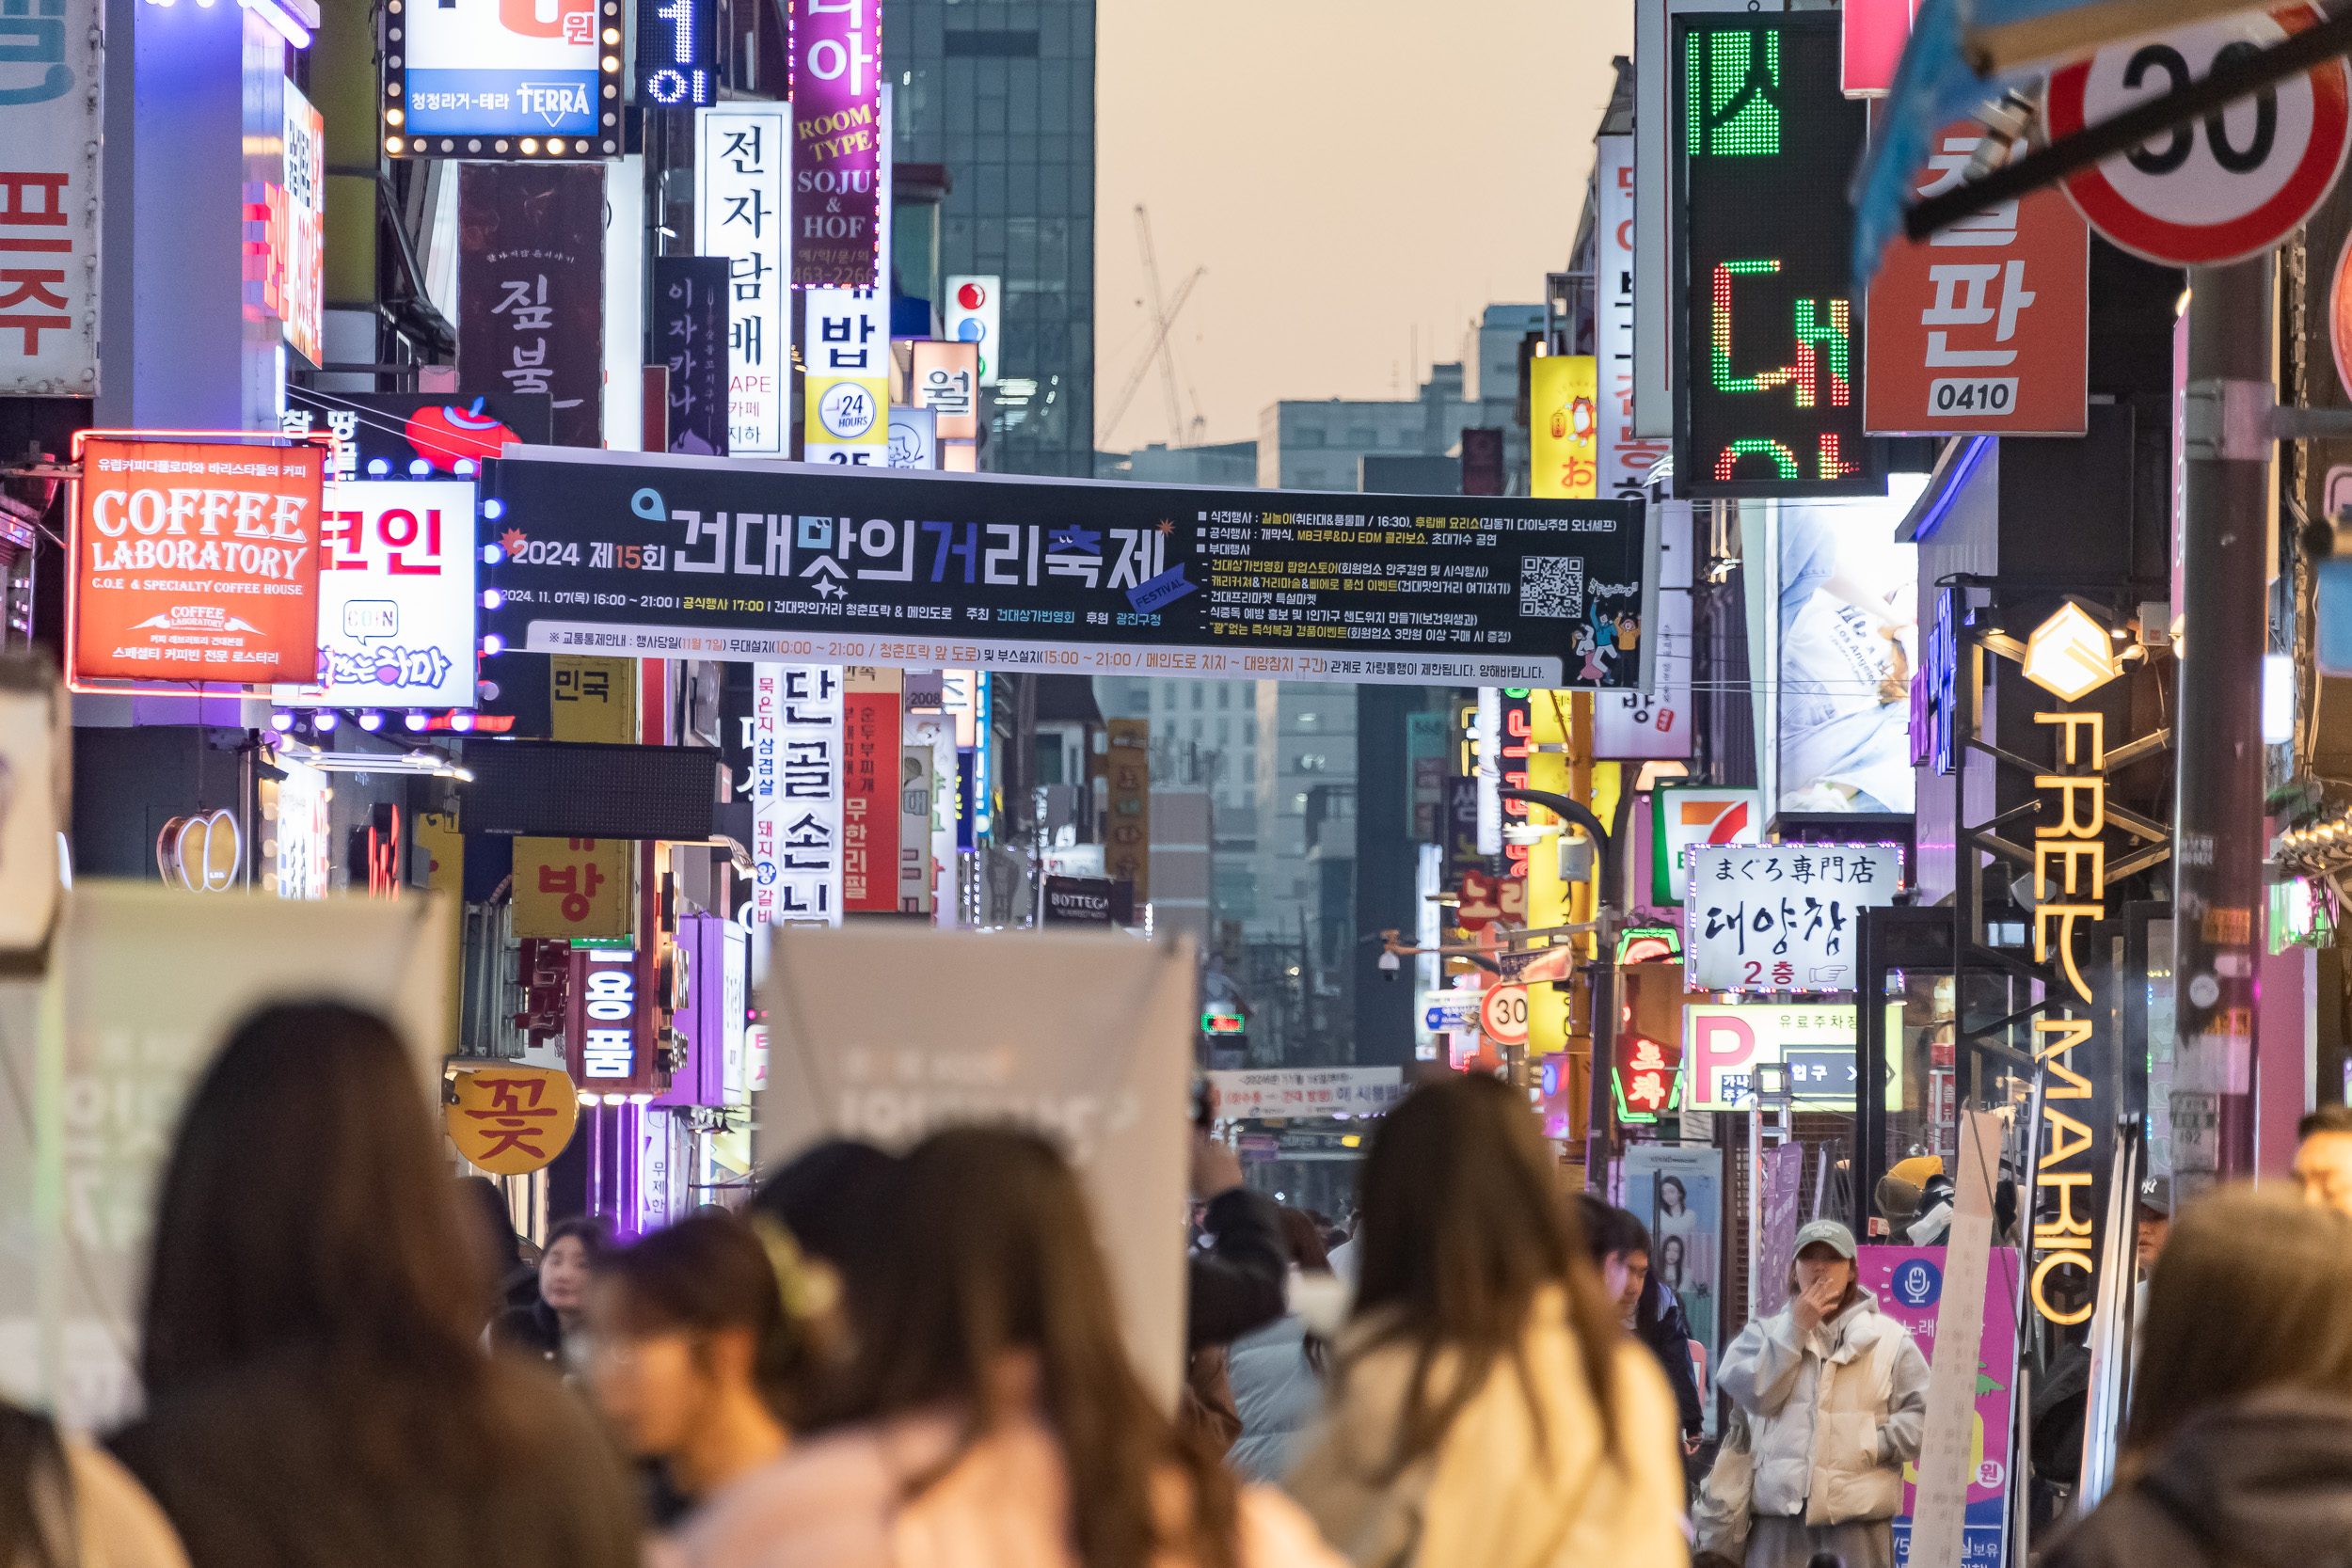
530 288
398 429
689 335
679 557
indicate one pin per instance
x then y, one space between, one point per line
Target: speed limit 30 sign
1502 1014
2233 183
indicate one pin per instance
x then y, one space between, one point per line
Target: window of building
1224 696
1200 696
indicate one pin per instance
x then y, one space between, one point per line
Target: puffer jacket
1835 1416
2262 1483
1278 1394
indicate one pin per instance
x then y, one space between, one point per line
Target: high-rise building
1003 96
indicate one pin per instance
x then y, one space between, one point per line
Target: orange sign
1983 329
511 1121
197 561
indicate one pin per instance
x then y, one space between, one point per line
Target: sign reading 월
196 560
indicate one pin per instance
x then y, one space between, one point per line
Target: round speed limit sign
2226 186
1502 1014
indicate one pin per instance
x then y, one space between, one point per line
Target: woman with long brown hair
316 1393
988 1416
2238 1449
1485 1407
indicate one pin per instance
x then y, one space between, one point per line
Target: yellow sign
573 887
512 1120
1563 426
594 699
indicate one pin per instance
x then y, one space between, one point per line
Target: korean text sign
1724 1043
797 740
511 1121
1565 425
692 297
1305 1091
1784 916
1985 327
396 595
574 888
740 213
836 141
197 562
498 68
870 803
698 558
50 108
530 288
1772 351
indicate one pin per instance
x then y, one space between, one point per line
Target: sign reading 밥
679 557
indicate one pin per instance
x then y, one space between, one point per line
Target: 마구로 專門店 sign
644 556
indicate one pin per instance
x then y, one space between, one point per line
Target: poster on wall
530 288
51 110
396 597
1678 1192
1849 642
196 560
1909 1283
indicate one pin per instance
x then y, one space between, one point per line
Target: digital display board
636 555
528 79
1771 350
678 52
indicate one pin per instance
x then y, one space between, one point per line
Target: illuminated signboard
396 597
1724 1043
529 79
1773 334
678 52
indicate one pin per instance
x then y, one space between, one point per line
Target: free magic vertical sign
1771 350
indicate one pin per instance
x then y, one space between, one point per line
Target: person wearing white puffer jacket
1835 1393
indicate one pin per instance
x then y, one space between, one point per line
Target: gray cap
1837 1236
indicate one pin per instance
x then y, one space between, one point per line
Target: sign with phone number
671 556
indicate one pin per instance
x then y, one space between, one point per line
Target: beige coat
1489 1495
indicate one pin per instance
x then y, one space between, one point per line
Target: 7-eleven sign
1687 815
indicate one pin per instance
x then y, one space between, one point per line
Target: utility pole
2218 846
1602 972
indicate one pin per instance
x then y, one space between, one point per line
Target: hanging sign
836 141
740 213
1565 432
195 561
692 297
1785 916
1684 816
1985 327
52 119
511 1121
696 557
2229 186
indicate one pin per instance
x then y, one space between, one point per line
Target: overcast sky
1355 176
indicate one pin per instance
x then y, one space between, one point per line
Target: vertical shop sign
847 389
690 297
1127 853
767 816
1563 426
871 799
530 288
1983 329
602 1027
947 381
574 888
805 843
2070 861
915 829
1626 458
285 231
51 69
1642 726
740 213
837 142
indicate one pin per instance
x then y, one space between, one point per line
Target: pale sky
1353 175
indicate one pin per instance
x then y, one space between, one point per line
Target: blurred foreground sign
110 1065
653 556
1085 1038
1355 1091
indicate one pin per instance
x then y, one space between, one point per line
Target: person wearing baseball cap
1835 1395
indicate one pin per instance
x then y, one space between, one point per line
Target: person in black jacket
2239 1446
1620 1246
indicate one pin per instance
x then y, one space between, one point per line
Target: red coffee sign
1983 329
196 560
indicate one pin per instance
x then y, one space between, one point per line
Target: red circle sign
1502 1014
2228 186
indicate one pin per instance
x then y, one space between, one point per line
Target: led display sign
1772 353
678 52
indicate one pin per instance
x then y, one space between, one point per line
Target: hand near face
1815 1302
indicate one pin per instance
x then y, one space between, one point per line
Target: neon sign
1769 398
678 52
2070 859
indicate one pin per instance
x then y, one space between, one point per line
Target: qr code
1552 587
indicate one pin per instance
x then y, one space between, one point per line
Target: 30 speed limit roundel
1502 1014
2228 186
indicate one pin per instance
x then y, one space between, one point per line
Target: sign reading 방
196 560
638 556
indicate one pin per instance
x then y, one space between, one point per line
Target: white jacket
1834 1418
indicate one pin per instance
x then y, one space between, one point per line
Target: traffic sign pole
2219 843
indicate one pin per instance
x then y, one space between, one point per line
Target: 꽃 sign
196 560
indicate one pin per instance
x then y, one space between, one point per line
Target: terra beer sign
197 561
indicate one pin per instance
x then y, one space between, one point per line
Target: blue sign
1918 1283
678 52
502 103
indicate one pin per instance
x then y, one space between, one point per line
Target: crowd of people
917 1361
